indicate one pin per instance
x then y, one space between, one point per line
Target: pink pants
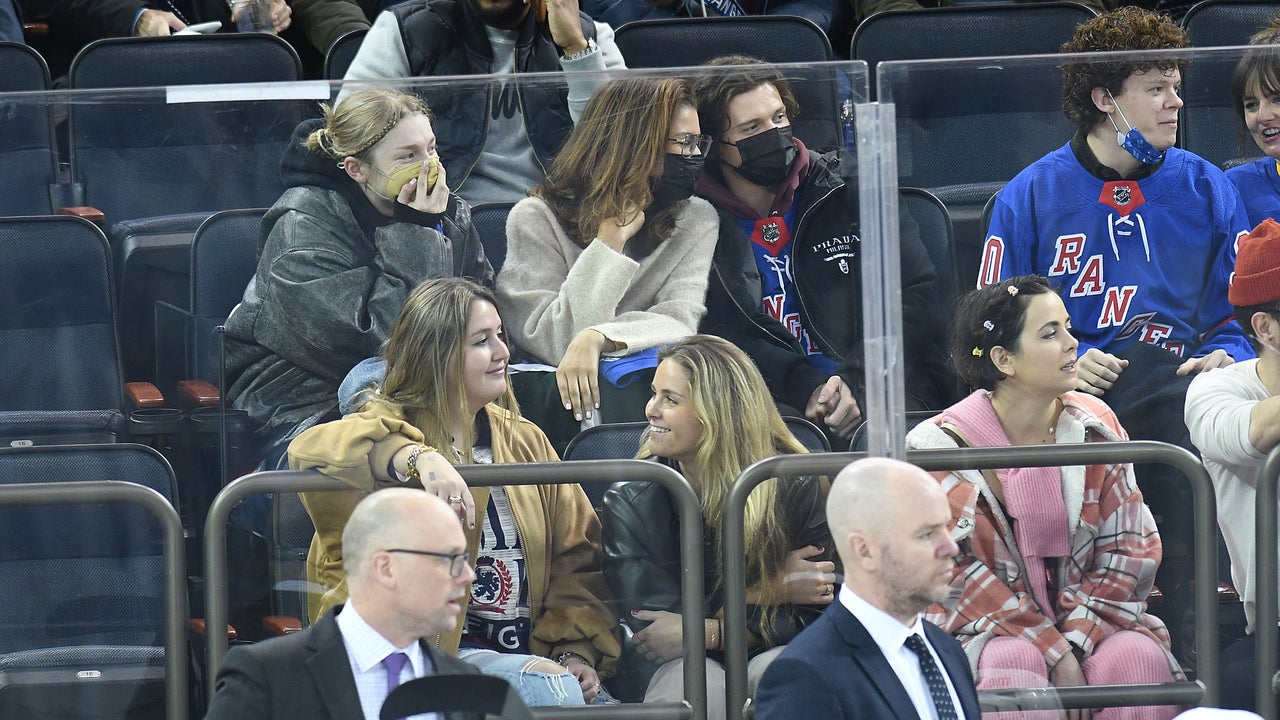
1126 657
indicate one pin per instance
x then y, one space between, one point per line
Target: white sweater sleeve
381 55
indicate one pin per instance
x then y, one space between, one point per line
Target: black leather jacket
641 537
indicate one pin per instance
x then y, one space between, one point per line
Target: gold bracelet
411 467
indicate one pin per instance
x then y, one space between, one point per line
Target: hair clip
977 352
988 325
1013 290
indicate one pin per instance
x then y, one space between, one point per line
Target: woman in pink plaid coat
1055 564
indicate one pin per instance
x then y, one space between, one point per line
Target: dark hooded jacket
332 276
826 266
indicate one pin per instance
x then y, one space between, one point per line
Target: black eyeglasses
692 142
456 560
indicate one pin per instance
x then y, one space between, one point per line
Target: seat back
26 148
88 574
57 332
291 531
685 42
971 124
938 236
966 31
341 53
1210 126
85 589
224 258
181 156
859 441
490 220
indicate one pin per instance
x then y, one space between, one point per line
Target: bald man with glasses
407 571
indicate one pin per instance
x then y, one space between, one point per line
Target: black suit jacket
834 669
303 675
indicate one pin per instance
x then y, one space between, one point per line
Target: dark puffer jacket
332 276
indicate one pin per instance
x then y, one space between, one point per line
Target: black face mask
679 178
767 156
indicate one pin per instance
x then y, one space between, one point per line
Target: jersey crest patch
1123 196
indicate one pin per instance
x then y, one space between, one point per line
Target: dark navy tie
933 676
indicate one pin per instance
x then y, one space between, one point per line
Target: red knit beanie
1257 276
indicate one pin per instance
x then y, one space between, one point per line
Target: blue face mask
1133 142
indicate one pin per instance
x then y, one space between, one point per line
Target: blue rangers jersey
1144 260
1258 183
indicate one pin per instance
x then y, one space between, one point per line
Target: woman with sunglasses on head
710 417
367 216
1055 563
444 401
610 256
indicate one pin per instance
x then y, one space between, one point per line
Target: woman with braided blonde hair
366 217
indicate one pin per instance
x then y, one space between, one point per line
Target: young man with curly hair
1139 239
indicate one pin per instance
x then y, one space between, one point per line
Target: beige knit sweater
550 289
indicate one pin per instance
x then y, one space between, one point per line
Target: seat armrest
198 393
279 625
196 626
144 395
92 214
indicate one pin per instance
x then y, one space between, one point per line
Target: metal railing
1204 691
175 566
1266 633
692 591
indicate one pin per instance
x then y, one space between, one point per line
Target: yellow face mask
398 179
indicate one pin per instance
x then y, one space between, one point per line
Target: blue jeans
537 689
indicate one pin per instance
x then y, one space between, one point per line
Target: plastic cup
252 16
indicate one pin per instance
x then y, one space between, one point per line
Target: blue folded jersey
623 371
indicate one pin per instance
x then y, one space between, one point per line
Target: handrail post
686 500
973 458
1266 613
108 491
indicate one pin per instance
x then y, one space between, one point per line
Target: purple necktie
394 663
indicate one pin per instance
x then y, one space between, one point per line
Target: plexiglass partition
174 170
182 190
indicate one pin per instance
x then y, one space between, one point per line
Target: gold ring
455 499
597 687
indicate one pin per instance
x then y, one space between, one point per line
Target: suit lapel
956 665
867 655
330 669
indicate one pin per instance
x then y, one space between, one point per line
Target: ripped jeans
537 689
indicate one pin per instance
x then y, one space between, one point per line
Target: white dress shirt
891 636
366 649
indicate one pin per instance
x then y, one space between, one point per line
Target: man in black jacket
496 139
786 280
408 574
